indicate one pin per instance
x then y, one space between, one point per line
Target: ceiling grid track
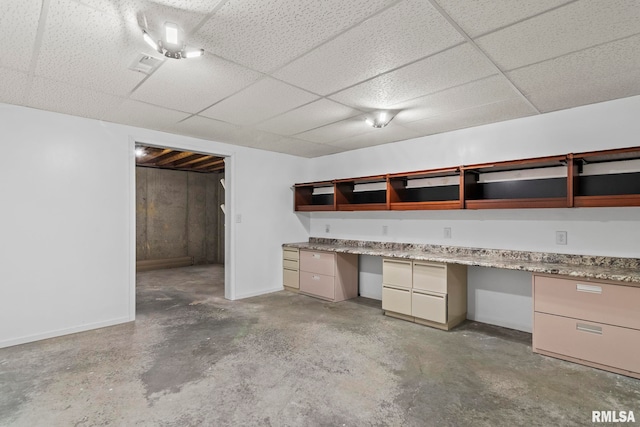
473 44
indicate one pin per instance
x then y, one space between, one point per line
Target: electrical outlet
561 237
385 230
447 232
327 228
238 218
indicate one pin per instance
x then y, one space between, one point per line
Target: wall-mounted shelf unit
531 183
362 194
606 178
315 196
434 189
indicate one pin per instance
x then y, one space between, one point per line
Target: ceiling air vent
145 64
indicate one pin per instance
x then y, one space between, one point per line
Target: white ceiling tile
265 34
475 116
307 117
264 99
88 48
391 133
410 30
481 16
298 147
215 130
624 85
205 128
18 29
567 29
450 68
580 69
186 13
334 131
609 71
481 92
194 84
144 115
13 89
52 95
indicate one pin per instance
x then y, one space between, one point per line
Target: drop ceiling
300 76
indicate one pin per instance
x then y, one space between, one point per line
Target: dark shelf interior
520 189
322 199
375 196
430 194
609 185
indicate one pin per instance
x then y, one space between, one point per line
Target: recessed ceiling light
379 119
172 45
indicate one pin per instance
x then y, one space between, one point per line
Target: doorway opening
180 225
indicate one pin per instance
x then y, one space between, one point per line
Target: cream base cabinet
592 323
429 293
331 276
291 269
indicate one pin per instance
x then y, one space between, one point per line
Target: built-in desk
575 296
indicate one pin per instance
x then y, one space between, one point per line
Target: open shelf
422 190
531 183
362 194
606 178
315 196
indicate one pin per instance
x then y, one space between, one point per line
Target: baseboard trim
65 331
255 294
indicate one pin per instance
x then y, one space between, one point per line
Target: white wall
595 231
67 221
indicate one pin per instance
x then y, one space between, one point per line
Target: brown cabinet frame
573 190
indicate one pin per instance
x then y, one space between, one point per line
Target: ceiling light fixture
172 44
379 119
140 151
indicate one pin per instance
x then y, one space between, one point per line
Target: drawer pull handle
441 267
589 328
589 288
393 261
315 277
396 289
429 295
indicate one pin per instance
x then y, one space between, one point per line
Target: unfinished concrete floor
193 358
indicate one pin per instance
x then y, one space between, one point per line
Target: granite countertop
580 266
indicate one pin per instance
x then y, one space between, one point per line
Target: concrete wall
178 214
67 220
593 231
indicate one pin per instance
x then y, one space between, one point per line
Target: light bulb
194 53
147 38
140 152
171 33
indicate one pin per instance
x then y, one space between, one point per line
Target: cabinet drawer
598 302
317 262
429 306
291 278
590 341
318 285
396 272
429 276
290 264
396 300
291 253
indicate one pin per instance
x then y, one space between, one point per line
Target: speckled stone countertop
581 266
